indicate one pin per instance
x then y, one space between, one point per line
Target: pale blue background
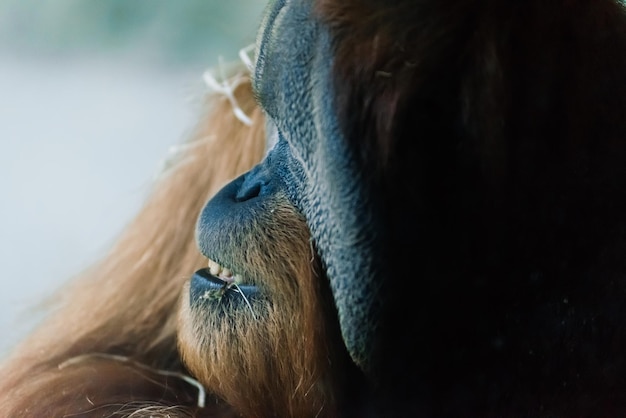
92 96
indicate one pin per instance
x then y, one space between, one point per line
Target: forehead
292 78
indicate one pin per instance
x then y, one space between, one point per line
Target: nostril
248 190
253 184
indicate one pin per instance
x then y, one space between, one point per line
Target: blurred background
92 96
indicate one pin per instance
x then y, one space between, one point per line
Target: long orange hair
109 346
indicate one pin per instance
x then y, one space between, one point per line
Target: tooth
214 268
226 272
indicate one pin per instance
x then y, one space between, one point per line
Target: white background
86 118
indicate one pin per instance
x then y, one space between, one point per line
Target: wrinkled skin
475 265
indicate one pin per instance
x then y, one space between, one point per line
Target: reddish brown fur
126 304
277 360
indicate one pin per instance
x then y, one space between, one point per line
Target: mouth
220 284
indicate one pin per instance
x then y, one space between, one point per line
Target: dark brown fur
502 126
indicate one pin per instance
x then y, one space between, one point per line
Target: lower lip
203 281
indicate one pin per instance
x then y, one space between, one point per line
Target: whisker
238 289
123 359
